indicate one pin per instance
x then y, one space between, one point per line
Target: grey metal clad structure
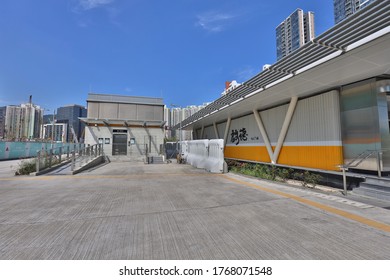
132 108
124 99
129 126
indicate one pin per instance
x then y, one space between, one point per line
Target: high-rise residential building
32 116
13 123
3 111
70 115
177 115
345 8
23 121
295 31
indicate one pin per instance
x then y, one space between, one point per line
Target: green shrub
26 167
311 179
273 173
283 174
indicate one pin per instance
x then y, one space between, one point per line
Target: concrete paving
8 167
128 210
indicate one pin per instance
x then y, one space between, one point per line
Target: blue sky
180 50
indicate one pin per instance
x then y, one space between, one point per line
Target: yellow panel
318 157
255 153
321 157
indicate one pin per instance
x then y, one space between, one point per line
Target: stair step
155 160
372 192
378 181
375 186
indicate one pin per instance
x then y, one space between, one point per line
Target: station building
326 104
127 126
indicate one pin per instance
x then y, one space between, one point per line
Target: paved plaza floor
125 210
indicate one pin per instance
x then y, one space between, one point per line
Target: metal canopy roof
339 42
97 97
123 122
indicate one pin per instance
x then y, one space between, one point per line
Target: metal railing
355 162
77 154
86 155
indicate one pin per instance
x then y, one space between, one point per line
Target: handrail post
379 163
50 157
45 153
81 152
60 154
73 160
38 161
343 169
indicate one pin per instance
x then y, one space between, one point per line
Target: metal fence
18 150
77 155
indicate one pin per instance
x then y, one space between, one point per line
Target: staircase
153 159
377 187
374 187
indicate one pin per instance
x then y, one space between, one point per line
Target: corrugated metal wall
365 121
313 139
209 133
125 111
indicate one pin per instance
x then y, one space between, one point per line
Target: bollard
67 152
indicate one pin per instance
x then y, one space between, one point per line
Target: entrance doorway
119 144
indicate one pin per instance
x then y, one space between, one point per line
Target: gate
119 144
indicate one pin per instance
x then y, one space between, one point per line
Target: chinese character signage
238 135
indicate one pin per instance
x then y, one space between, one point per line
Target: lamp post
52 128
180 112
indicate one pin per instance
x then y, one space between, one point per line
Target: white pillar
286 124
216 130
227 128
264 135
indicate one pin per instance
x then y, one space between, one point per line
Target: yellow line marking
357 218
31 178
89 177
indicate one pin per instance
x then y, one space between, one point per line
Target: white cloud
245 73
92 4
214 21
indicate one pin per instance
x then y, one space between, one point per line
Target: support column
227 128
216 130
264 135
286 124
